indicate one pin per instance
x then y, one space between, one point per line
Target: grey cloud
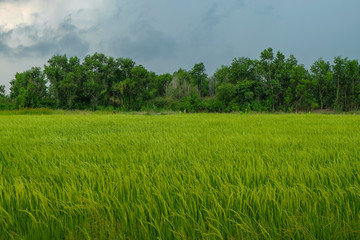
165 35
63 39
144 43
218 12
211 17
4 35
204 32
12 1
73 45
3 47
42 48
67 25
266 9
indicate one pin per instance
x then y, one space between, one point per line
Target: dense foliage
182 176
272 83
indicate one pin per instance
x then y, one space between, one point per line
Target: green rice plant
180 176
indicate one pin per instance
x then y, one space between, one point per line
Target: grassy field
184 176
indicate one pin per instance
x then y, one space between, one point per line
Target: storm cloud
165 35
65 39
144 43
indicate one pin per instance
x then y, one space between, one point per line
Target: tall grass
28 111
198 176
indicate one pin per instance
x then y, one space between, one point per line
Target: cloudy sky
164 35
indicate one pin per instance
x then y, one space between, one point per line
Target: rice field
182 176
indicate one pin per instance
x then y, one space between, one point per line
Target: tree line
271 83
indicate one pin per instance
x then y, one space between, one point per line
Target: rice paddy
182 176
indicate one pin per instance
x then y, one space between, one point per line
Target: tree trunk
338 91
321 99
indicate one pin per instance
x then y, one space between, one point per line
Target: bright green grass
195 176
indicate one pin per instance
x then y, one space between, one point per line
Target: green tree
5 102
281 79
199 78
322 77
124 90
226 92
140 79
125 67
134 85
55 72
352 72
299 94
244 94
340 81
181 86
161 83
222 75
2 90
241 69
100 73
65 77
267 67
122 84
28 89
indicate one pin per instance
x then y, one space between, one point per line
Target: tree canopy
270 83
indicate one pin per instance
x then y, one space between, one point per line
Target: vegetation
183 176
271 83
5 102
